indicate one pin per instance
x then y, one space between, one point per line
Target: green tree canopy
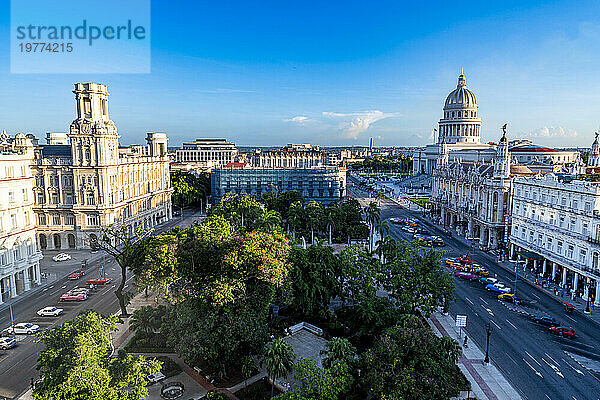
77 363
317 383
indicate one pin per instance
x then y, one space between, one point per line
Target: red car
400 207
562 331
76 274
99 281
73 297
464 275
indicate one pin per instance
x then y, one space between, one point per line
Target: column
575 281
535 267
596 299
512 251
38 274
13 286
564 276
553 270
544 267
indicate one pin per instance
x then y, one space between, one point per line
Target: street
18 365
535 362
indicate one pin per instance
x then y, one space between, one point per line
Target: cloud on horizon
345 125
551 132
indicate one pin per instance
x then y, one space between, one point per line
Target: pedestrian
31 383
465 342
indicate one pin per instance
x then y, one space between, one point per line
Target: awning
530 255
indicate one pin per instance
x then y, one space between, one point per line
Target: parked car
22 328
487 280
61 257
7 343
507 297
155 377
464 260
73 297
85 291
395 220
76 274
400 207
546 321
562 331
50 311
99 281
465 275
498 288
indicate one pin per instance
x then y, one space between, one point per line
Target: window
92 220
25 195
54 198
87 106
11 197
572 224
89 199
570 249
563 201
13 221
582 256
559 246
27 221
41 219
69 198
588 206
584 228
562 221
70 220
41 199
575 204
56 219
549 244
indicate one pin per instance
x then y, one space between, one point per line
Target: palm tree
270 220
373 216
248 369
295 216
143 320
380 196
315 214
384 229
338 349
331 217
279 359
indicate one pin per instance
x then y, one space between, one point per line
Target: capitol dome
461 97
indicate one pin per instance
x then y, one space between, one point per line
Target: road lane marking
571 318
573 368
553 360
535 295
467 299
536 361
488 310
511 324
513 360
554 367
497 326
43 290
63 286
534 370
483 300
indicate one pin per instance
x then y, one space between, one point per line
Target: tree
316 383
279 359
122 244
410 362
77 363
144 320
241 210
313 277
358 274
331 217
416 279
372 215
314 212
295 217
270 221
339 349
248 368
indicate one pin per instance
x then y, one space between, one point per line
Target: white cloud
351 125
299 118
552 132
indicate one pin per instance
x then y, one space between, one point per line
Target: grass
421 202
141 343
169 367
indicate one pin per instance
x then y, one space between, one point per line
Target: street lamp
488 331
587 306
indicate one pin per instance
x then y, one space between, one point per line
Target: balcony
593 240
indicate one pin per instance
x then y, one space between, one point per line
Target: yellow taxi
508 297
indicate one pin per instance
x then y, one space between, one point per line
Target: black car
546 321
422 231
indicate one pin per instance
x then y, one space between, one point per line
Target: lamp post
488 331
587 291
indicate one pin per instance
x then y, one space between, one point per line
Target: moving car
76 290
546 321
465 275
498 288
7 343
76 274
480 271
50 311
395 220
98 281
507 297
61 257
486 280
73 297
464 260
562 331
22 328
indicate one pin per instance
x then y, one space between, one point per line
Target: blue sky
337 73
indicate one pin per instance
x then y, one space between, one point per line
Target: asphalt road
18 365
531 359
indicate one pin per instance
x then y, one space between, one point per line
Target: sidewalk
486 380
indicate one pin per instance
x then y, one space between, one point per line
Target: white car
7 343
61 257
50 311
23 328
156 377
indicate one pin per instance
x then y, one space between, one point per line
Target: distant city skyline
338 74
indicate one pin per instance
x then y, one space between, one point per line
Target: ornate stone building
19 254
92 182
474 197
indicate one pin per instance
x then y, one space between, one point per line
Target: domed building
459 128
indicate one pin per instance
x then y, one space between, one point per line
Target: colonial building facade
205 154
556 226
291 156
91 183
474 197
19 254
